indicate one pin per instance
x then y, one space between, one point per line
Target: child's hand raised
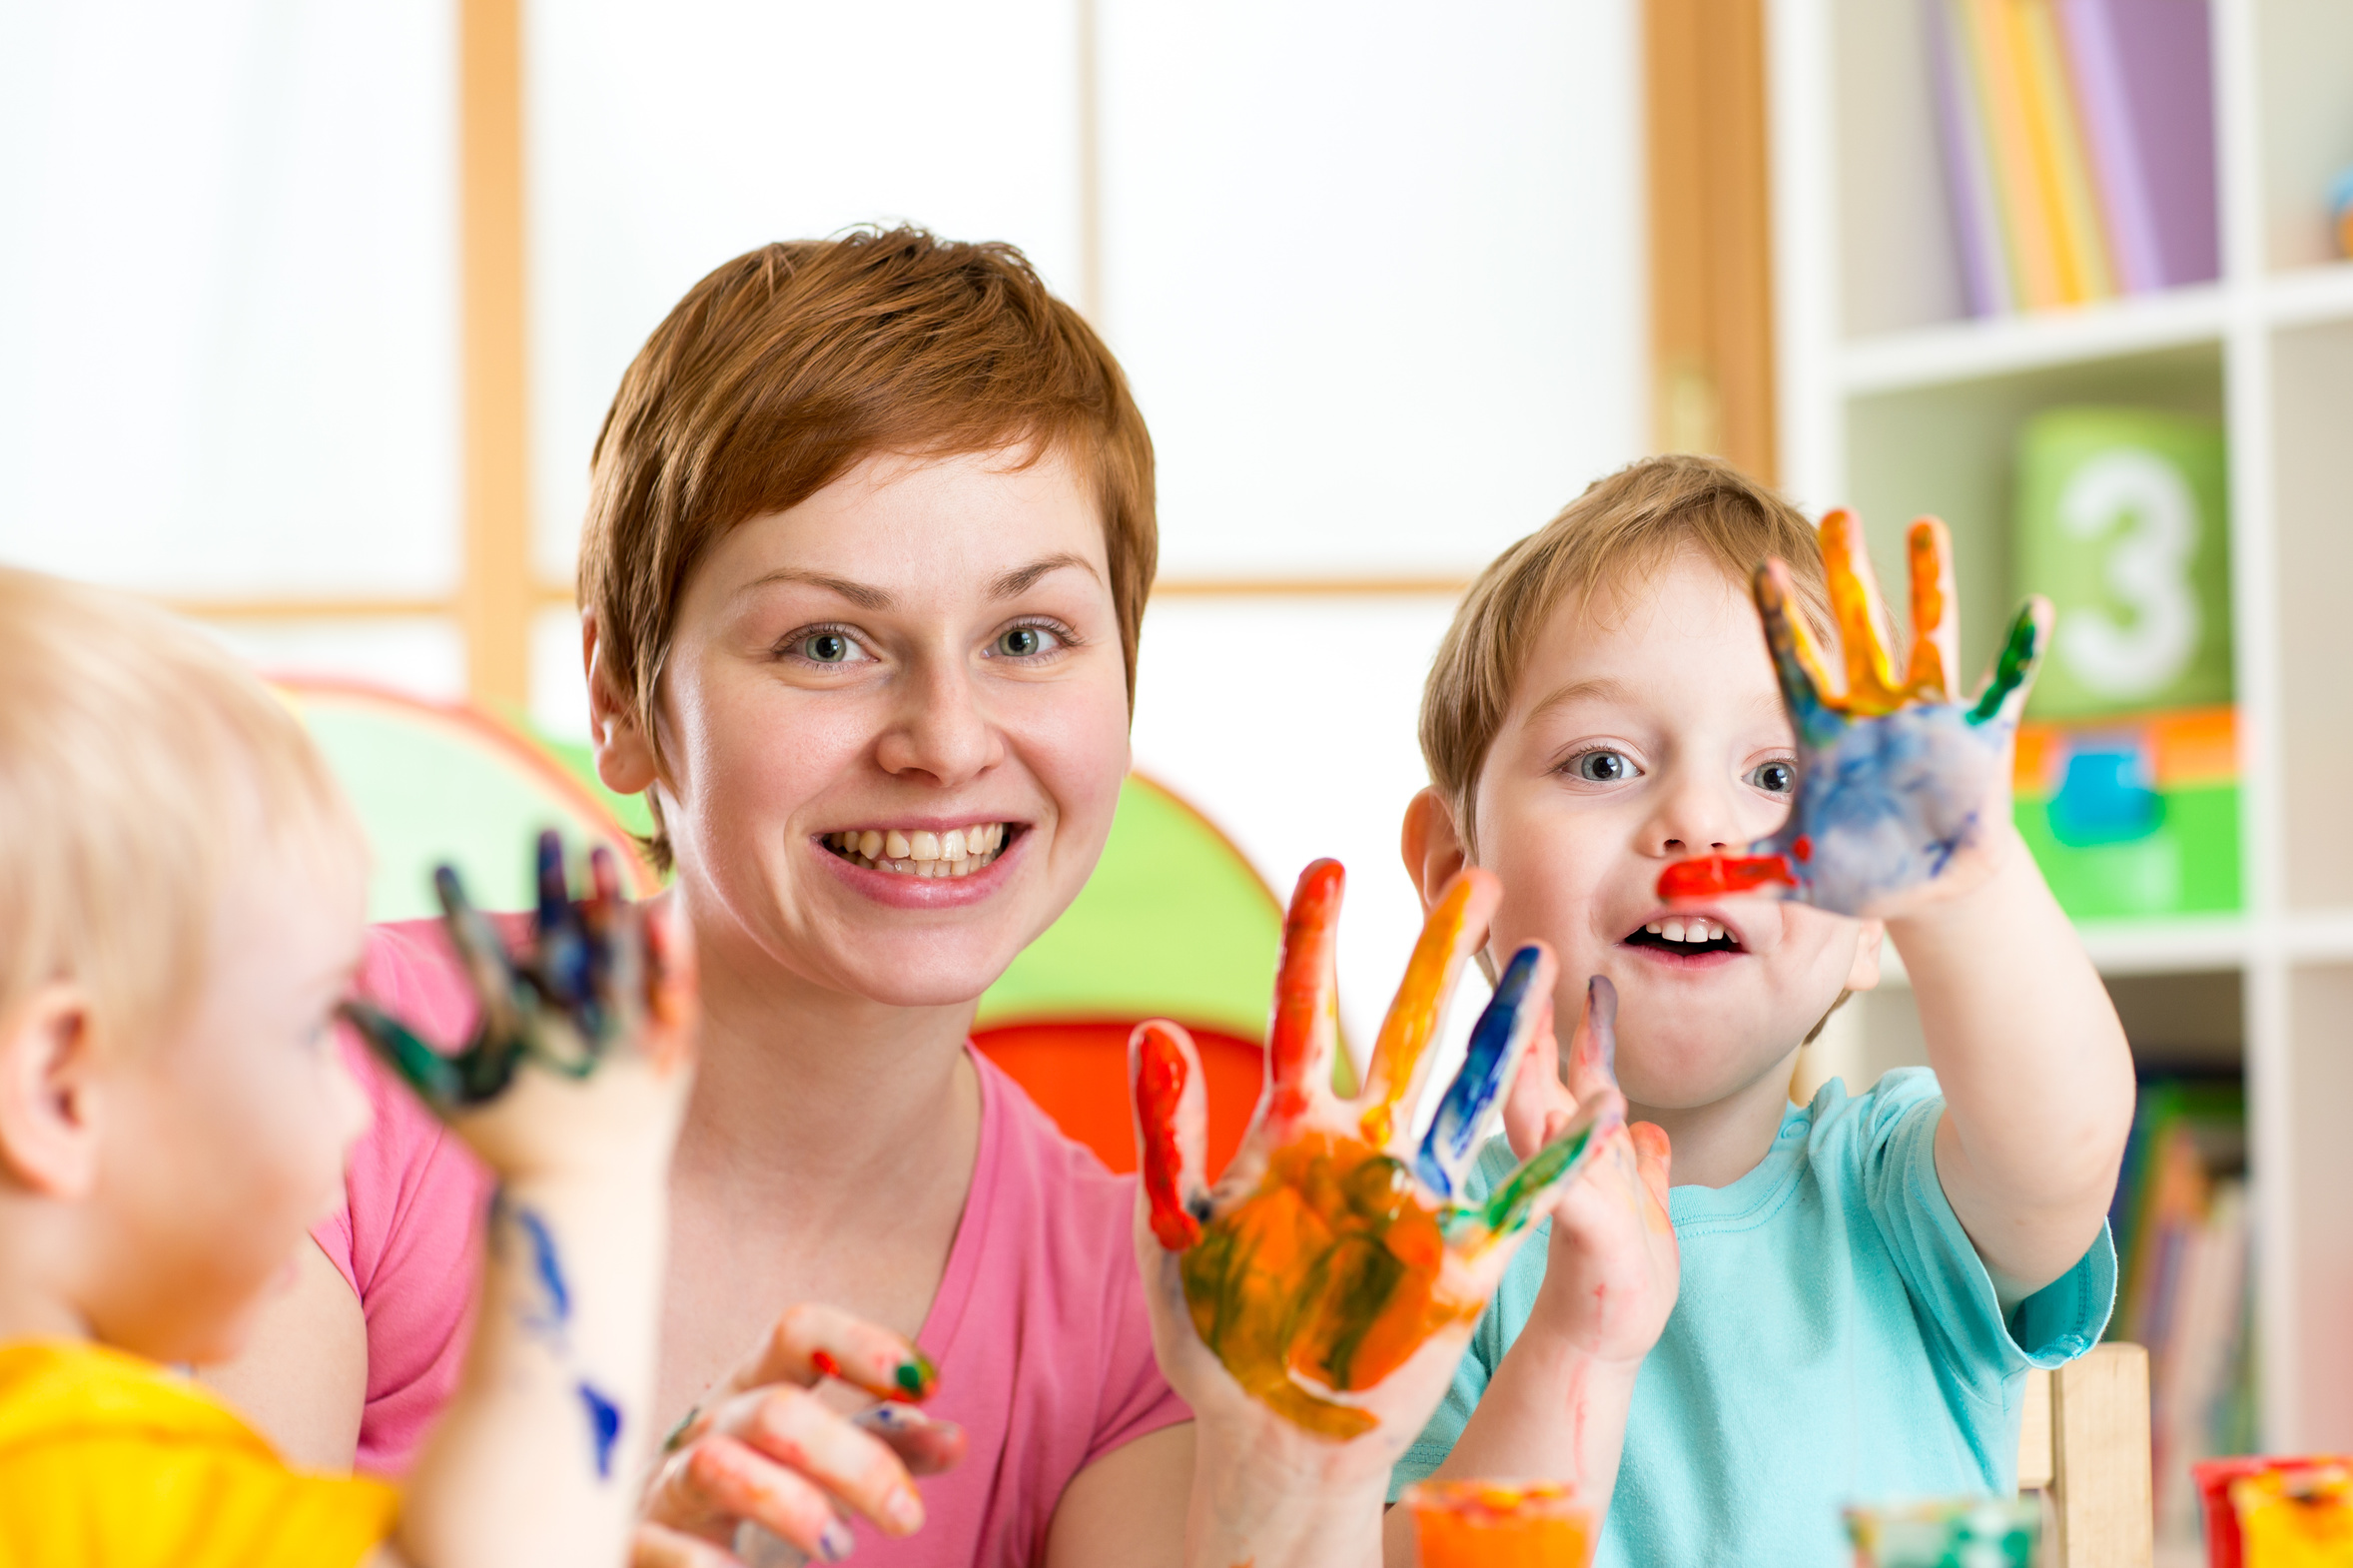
1613 1268
1903 790
584 1040
1315 1301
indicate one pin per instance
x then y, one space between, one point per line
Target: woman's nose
940 730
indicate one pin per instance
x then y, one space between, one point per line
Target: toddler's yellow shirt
110 1461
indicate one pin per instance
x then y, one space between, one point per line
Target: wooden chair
2084 1443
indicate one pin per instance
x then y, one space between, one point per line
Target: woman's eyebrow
1021 579
865 597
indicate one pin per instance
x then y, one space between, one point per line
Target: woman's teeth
1685 930
958 852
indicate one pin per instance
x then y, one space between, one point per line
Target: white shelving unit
1894 401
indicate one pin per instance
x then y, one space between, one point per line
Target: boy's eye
1025 642
1774 778
1601 767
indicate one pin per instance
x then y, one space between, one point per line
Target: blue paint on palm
1446 1147
1888 804
547 1267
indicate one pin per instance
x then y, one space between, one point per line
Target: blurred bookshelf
1896 398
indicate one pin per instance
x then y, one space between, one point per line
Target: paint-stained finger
2004 696
1305 1027
1456 925
724 1480
1519 1195
1498 1044
426 1071
1593 1050
1171 1122
810 1341
1796 663
1935 619
1537 1092
483 955
924 1444
792 1427
563 959
1654 1161
660 1546
1861 614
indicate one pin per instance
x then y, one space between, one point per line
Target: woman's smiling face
894 725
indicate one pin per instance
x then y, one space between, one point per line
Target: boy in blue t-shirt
1864 1279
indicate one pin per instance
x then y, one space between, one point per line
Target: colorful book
2144 79
2060 157
1969 166
1995 59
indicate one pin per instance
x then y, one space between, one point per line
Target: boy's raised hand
585 1039
1315 1303
1613 1268
1902 788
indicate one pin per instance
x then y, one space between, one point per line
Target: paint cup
2295 1516
1957 1532
1499 1524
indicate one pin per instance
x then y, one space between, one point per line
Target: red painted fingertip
1714 876
1161 1075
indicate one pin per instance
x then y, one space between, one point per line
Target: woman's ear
1432 847
49 1094
1863 973
625 757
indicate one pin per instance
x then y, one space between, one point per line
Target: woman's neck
816 1093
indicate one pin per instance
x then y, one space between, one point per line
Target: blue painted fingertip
1601 1016
1486 1064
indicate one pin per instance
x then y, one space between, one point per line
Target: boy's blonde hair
1623 526
140 764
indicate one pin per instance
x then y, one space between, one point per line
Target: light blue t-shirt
1835 1340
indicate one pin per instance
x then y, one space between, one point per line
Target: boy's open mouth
923 852
1685 934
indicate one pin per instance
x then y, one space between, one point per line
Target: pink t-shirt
1039 1328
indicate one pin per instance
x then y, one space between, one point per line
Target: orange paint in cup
1499 1524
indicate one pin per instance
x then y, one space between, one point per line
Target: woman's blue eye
825 647
1603 767
1774 778
1023 642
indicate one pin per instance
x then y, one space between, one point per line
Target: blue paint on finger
604 1427
1486 1064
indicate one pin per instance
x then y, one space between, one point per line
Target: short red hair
790 365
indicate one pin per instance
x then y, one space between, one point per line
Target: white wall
1373 268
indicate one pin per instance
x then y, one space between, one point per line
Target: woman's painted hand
765 1452
1903 789
1613 1268
580 1064
1313 1303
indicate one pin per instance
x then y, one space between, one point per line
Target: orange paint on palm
1414 1017
1499 1524
1324 1278
1306 1017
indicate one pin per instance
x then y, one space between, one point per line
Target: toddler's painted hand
583 1049
1319 1296
1613 1266
1903 789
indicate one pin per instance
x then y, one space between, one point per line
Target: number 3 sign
2121 520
